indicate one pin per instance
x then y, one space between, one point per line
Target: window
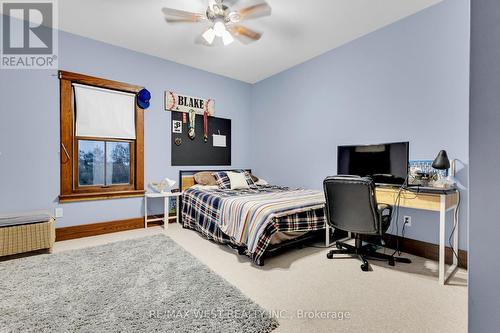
103 163
101 139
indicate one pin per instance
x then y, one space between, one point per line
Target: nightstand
166 200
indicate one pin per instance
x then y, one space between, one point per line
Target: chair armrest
381 209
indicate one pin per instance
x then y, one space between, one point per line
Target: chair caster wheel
329 255
364 267
403 260
339 246
391 262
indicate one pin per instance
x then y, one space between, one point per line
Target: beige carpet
405 298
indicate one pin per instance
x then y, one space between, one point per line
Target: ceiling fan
224 21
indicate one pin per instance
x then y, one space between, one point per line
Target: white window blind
104 113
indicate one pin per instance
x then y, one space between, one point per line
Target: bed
255 220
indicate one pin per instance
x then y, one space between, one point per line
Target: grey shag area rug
144 285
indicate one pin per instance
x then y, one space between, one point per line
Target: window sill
63 198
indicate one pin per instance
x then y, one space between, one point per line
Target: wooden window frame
70 190
98 188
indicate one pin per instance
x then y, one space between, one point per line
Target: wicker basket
27 237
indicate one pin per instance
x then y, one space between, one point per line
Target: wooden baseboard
94 229
423 249
411 246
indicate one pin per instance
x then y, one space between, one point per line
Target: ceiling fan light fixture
219 28
209 35
223 20
227 38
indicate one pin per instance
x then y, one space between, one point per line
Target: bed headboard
186 177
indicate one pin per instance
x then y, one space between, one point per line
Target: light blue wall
405 82
484 268
408 81
29 124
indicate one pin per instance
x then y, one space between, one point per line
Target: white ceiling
296 31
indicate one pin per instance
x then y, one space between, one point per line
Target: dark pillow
222 180
205 178
249 179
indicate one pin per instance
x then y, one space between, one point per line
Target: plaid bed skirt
200 211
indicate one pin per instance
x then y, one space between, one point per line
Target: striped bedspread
250 217
244 218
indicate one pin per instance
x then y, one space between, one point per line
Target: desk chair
351 206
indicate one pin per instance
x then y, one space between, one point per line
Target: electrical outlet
59 212
407 221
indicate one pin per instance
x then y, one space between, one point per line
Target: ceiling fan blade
255 11
245 35
181 16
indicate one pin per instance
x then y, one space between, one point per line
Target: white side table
166 198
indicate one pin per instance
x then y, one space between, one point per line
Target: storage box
27 237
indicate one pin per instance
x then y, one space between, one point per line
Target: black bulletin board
197 151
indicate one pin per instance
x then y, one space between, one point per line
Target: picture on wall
176 126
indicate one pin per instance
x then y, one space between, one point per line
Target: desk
435 202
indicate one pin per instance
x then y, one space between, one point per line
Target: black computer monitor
385 163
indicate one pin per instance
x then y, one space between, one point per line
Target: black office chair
351 206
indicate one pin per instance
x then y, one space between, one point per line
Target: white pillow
237 180
261 182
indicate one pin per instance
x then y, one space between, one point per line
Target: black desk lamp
441 162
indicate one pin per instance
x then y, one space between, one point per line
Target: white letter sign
184 103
